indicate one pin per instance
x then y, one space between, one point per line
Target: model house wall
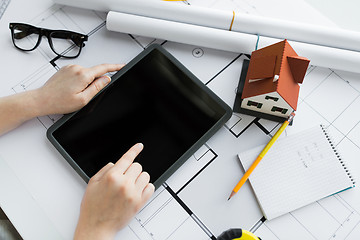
269 103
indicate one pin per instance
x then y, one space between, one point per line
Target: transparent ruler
3 6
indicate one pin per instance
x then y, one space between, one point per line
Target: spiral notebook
298 170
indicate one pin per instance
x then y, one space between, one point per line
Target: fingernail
139 146
105 79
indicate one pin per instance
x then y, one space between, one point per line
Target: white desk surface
41 193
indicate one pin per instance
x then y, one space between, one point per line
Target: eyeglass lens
26 38
63 43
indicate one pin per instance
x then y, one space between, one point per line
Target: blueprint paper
3 6
194 211
16 190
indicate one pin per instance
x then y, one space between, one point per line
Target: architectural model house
271 87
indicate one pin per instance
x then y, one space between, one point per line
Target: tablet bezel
186 155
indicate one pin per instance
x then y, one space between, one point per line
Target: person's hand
114 195
72 87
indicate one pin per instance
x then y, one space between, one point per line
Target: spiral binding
341 160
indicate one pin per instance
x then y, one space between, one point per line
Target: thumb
96 87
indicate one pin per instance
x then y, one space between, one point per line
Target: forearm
18 108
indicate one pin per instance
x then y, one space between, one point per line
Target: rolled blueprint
227 40
299 32
159 9
244 23
181 32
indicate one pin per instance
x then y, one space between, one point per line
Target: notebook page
296 171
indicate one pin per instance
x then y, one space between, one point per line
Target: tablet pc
154 100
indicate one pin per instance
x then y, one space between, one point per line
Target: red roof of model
277 59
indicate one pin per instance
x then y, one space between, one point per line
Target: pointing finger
128 158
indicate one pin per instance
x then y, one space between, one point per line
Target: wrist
86 232
17 109
26 105
38 103
29 104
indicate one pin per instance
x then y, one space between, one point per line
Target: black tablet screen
153 102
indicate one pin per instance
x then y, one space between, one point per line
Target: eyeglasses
63 43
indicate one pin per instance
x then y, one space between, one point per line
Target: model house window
271 98
278 109
256 104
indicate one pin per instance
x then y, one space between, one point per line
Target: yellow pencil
261 155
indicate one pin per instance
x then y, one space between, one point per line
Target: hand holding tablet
154 100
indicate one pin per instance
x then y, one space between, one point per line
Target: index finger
128 158
99 70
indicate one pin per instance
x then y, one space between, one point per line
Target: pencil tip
232 194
